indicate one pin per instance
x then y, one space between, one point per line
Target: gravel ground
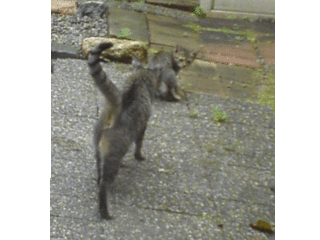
70 30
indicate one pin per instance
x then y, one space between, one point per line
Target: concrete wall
249 6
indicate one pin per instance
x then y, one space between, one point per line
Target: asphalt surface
200 180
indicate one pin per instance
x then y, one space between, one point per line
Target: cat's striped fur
123 121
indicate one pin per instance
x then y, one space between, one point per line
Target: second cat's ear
194 54
177 48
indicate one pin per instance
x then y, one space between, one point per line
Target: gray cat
123 121
169 65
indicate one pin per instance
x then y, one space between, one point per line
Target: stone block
135 22
122 50
170 32
65 7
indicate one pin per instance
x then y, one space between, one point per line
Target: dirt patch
267 50
243 55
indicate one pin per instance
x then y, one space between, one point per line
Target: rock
64 7
122 50
91 9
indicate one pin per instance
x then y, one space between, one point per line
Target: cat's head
183 57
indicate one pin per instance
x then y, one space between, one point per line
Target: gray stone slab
120 19
237 82
72 146
139 223
263 27
201 76
184 189
220 80
170 32
59 50
246 139
249 6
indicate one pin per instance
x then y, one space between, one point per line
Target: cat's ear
176 49
194 54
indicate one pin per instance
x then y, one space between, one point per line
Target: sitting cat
169 65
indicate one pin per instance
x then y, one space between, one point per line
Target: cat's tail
105 85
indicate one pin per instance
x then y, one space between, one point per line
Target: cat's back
140 80
138 91
160 60
137 98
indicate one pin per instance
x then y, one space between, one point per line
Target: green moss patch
267 94
251 36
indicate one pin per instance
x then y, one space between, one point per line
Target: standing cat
169 65
123 121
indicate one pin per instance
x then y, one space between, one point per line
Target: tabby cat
169 65
123 121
